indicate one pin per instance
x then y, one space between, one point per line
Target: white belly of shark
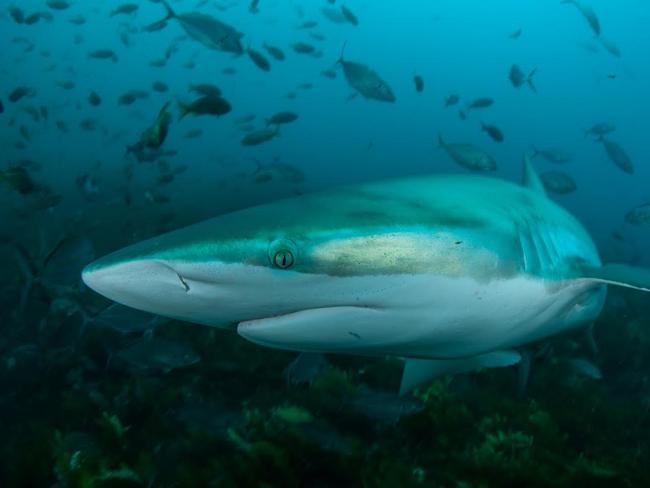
427 316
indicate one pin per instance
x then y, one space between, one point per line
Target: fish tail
87 318
529 80
183 109
170 15
170 10
28 269
25 262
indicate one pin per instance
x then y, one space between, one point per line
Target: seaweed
232 420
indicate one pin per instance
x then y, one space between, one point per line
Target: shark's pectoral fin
619 275
418 371
327 329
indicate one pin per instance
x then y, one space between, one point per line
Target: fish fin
418 371
441 141
170 15
591 340
305 362
183 110
531 180
25 262
618 274
523 372
340 60
529 80
29 270
170 10
63 264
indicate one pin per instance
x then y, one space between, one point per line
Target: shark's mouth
343 327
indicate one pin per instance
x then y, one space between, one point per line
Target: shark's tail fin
159 24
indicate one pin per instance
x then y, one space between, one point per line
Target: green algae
249 428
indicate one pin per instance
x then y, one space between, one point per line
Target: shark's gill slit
184 283
186 286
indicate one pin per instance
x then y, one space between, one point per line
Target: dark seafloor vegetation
68 419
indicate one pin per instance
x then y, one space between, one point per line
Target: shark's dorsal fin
530 179
619 275
418 371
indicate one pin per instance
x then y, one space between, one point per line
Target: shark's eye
282 253
283 259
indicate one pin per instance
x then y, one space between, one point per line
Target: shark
451 273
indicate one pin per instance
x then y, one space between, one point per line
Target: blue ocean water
463 47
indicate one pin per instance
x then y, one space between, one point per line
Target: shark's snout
144 284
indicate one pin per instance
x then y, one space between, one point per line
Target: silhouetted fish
205 29
366 81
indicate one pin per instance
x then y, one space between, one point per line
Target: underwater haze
121 121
